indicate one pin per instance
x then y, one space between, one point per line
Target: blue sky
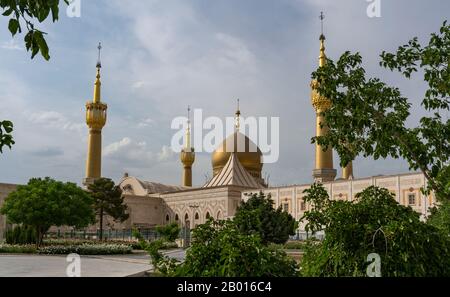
161 55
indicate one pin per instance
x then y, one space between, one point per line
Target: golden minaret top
187 155
324 170
96 120
320 103
98 84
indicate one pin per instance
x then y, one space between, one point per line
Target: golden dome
249 155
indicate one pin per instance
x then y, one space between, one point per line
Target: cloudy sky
161 55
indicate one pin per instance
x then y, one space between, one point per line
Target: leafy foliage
17 249
73 242
374 223
29 12
21 235
43 203
81 249
257 216
369 117
440 217
169 232
108 200
161 263
6 139
86 249
219 249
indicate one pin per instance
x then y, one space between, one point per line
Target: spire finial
321 17
99 62
187 143
189 114
238 115
322 57
97 81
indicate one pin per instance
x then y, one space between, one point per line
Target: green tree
169 232
43 203
24 14
108 200
369 117
219 249
6 139
440 217
258 216
21 234
373 223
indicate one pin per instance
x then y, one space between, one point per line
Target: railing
112 234
303 235
117 234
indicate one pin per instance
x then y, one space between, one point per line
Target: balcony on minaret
96 115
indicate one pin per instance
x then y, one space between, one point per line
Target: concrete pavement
91 266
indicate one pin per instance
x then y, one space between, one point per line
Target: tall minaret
96 120
187 155
324 170
347 171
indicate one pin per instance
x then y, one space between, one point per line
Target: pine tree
108 200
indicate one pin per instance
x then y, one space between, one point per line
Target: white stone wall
406 188
196 205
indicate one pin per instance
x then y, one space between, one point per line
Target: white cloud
234 51
116 147
168 54
138 85
11 45
165 154
136 154
54 119
146 123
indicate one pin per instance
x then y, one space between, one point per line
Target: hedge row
17 249
87 249
73 242
83 249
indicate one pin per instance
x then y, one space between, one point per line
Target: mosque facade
237 168
237 174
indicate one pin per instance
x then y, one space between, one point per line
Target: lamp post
187 232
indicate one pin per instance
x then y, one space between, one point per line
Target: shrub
20 235
87 249
169 232
375 223
257 216
294 245
219 249
73 242
440 217
17 249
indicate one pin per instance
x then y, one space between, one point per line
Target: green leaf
13 26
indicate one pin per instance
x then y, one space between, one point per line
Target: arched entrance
186 231
196 219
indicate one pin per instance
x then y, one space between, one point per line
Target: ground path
91 266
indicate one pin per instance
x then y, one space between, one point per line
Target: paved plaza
91 266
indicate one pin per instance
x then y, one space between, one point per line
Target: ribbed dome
249 155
